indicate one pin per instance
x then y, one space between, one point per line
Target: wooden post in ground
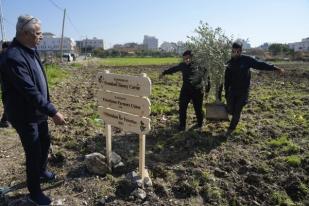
142 140
109 145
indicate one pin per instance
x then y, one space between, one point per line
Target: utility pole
1 22
61 42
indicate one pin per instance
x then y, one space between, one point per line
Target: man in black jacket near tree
189 91
237 82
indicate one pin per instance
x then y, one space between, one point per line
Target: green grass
55 74
281 198
284 144
279 142
293 160
138 61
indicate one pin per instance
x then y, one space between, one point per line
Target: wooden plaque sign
125 121
138 86
125 103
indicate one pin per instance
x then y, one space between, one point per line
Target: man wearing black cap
189 91
237 82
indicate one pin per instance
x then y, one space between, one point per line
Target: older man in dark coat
27 103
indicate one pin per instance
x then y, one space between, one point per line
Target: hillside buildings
88 45
178 47
300 46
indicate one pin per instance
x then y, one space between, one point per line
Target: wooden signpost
123 103
131 104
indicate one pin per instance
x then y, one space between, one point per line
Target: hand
58 119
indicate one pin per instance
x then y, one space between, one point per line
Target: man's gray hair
26 23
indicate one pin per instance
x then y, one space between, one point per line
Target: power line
56 5
70 20
74 27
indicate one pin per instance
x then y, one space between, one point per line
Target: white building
178 47
52 44
90 44
150 42
300 46
168 46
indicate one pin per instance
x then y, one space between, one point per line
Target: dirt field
265 162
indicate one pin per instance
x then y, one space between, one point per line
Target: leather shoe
47 176
40 199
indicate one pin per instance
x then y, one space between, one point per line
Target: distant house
130 47
300 46
88 45
52 44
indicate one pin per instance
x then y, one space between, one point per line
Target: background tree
281 49
211 50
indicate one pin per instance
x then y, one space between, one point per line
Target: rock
147 182
220 173
13 183
96 163
134 178
58 202
106 200
243 170
101 202
115 159
139 193
253 179
119 168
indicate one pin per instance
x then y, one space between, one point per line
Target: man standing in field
4 120
237 82
27 103
189 91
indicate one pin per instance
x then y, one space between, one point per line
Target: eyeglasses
27 22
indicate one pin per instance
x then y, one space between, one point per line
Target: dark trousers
4 117
235 104
186 95
36 142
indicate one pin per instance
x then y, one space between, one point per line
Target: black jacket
23 100
188 71
238 75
